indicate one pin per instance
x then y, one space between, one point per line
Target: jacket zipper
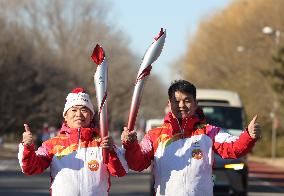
79 180
182 132
180 128
79 131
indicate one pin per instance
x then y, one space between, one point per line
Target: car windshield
225 117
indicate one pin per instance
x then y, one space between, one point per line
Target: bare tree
59 41
230 51
24 84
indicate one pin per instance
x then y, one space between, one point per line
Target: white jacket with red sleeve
76 163
183 155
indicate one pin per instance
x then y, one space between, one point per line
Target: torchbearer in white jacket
182 149
75 154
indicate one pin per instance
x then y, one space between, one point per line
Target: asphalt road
15 183
264 180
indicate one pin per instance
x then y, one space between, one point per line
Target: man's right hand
27 135
127 136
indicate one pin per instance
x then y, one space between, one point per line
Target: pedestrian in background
75 154
45 132
182 149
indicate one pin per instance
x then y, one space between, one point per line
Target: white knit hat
78 97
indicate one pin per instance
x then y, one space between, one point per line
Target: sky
141 21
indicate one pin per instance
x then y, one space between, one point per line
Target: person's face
78 116
182 105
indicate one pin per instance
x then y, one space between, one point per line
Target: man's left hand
254 128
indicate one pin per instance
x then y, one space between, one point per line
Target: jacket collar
85 134
188 124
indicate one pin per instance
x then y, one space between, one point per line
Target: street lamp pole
274 121
273 135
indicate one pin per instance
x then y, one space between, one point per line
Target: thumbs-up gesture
27 135
254 128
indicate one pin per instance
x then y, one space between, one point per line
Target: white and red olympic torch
100 81
151 55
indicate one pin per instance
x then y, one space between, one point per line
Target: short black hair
182 86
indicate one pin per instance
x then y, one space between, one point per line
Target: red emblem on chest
93 165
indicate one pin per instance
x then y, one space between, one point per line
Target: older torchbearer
100 81
151 55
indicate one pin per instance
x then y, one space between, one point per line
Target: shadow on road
264 178
15 183
130 194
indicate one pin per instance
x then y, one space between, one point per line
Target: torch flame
98 54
